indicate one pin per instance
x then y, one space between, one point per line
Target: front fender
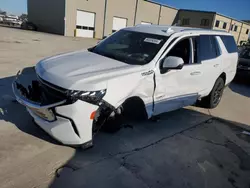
136 84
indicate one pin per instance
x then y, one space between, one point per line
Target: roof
167 30
203 11
191 10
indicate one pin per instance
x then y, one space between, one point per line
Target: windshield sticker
154 41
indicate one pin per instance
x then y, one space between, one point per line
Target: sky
16 7
238 9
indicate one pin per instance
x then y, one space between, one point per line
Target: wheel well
223 76
134 108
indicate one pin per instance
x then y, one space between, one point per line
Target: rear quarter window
229 43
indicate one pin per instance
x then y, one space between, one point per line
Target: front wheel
214 98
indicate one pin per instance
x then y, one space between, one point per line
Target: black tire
214 98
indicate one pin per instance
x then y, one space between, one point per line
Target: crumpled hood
81 70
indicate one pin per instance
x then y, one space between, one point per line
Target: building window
217 23
224 25
235 28
85 27
232 26
247 31
185 21
205 22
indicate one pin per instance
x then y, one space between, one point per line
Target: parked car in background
243 69
29 26
136 73
12 20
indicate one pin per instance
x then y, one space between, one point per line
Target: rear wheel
214 98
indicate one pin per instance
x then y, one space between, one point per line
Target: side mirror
171 62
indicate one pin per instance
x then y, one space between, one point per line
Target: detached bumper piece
67 122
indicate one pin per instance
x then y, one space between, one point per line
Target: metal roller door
119 23
85 24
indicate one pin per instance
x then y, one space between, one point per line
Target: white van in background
137 72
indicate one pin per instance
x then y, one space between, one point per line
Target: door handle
216 65
195 73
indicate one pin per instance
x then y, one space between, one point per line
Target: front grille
52 93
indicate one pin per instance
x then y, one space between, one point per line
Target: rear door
211 59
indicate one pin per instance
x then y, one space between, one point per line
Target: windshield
131 47
245 53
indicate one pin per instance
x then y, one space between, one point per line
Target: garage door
85 24
119 23
146 23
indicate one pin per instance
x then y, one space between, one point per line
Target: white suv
137 72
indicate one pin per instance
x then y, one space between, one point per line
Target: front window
131 47
205 22
217 23
224 25
185 21
235 28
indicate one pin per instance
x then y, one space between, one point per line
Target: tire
214 98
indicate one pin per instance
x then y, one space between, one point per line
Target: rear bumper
72 124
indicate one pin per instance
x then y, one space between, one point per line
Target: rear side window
229 43
208 47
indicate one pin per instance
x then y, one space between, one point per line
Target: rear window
229 43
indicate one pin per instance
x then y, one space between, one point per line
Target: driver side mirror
170 63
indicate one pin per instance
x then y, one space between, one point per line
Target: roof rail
200 29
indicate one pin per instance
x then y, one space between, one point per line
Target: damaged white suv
139 71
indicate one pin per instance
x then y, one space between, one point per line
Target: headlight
93 97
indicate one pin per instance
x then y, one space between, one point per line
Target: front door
211 60
178 88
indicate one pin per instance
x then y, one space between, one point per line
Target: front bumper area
72 124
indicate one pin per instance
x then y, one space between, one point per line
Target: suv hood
81 70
